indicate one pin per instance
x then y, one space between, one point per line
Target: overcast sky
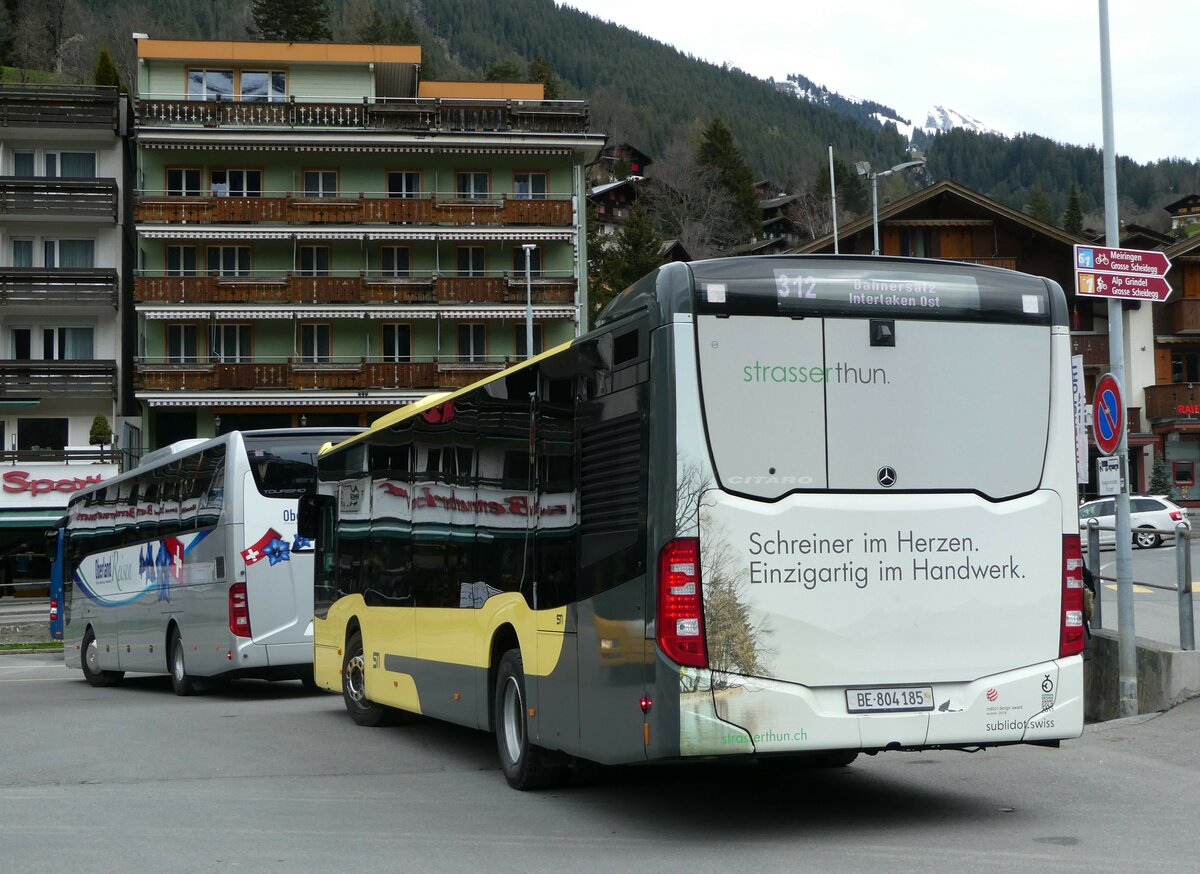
1016 65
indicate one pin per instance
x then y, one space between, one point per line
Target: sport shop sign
46 487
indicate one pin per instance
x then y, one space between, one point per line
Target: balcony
374 207
69 106
419 115
430 373
29 197
59 286
1178 400
1180 317
1093 348
358 288
43 379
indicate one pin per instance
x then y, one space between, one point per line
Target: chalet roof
616 148
1189 200
938 189
775 202
1188 247
1131 234
598 190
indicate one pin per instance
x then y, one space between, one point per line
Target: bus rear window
284 467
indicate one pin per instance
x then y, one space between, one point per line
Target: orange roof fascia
280 52
483 90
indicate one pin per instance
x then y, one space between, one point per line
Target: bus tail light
680 615
53 609
239 610
1071 637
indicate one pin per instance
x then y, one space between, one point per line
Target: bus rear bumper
1034 704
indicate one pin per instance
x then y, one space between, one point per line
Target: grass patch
44 644
15 75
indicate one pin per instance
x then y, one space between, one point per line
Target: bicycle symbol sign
1108 416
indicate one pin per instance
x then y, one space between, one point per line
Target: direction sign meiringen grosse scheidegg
1134 274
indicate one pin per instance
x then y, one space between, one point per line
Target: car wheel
354 689
525 765
180 681
1145 539
89 660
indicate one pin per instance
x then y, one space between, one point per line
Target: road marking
36 679
1138 590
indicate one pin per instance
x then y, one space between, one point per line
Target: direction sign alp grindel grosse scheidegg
1135 274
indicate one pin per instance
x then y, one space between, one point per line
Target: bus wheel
354 687
525 766
90 662
180 681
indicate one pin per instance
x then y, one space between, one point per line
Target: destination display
799 287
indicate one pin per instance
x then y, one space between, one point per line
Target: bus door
279 569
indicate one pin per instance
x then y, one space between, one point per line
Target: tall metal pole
833 199
528 247
1127 639
875 211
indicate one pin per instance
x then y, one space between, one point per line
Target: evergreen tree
618 264
541 71
106 71
1160 477
717 150
1072 220
1039 206
503 71
290 20
852 192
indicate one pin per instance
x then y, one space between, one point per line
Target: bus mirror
308 516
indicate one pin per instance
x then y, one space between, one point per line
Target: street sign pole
1127 640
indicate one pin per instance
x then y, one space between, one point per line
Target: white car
1144 513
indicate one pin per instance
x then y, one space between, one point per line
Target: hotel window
23 164
181 260
529 186
471 185
470 260
260 86
535 261
229 344
68 253
183 182
229 260
70 165
472 342
1185 367
236 183
67 344
181 344
22 253
210 85
396 260
397 342
314 260
320 183
403 183
314 343
20 344
520 340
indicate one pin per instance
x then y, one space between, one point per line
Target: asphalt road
265 777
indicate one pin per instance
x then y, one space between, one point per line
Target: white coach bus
190 564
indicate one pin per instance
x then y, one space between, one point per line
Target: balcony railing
68 455
359 288
1181 317
371 207
1177 400
360 374
1093 348
42 379
74 198
58 106
399 114
58 286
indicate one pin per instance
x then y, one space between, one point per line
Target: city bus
789 508
190 564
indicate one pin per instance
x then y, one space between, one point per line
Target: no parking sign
1108 414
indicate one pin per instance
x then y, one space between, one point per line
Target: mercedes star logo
886 477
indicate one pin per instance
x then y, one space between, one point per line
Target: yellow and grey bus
772 507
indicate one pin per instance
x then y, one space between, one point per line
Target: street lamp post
528 247
863 168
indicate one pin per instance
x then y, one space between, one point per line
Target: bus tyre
525 766
90 662
354 688
180 681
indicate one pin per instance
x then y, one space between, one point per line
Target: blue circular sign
1108 414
